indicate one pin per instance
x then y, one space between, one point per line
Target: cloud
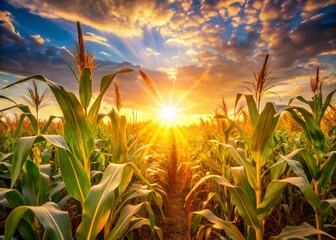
215 44
105 54
121 17
312 37
191 52
151 52
313 5
37 39
234 8
186 5
91 37
7 29
270 10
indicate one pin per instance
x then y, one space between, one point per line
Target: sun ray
155 99
201 78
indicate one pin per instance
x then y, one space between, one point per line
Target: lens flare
168 114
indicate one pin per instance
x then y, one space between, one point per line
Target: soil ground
175 227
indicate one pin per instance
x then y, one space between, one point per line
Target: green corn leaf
294 165
271 198
21 151
43 187
137 172
309 160
71 69
252 107
310 128
13 197
215 197
76 128
204 231
107 79
306 188
314 131
264 128
18 129
268 151
47 124
23 148
276 170
30 183
55 222
325 206
124 221
139 222
97 206
328 169
105 83
325 105
302 99
74 176
236 156
123 140
115 136
26 230
318 107
279 167
135 191
213 165
26 113
85 87
233 124
250 169
230 229
4 97
239 197
328 202
299 232
239 175
274 192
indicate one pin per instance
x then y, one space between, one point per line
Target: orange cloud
38 39
313 5
8 29
123 18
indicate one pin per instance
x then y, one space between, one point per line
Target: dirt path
175 227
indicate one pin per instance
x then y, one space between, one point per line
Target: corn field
266 173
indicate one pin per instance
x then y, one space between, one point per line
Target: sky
194 52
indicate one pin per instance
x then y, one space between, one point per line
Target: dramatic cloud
37 40
7 29
313 5
202 49
123 18
303 42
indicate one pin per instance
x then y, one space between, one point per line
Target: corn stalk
318 161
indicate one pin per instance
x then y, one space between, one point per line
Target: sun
168 115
